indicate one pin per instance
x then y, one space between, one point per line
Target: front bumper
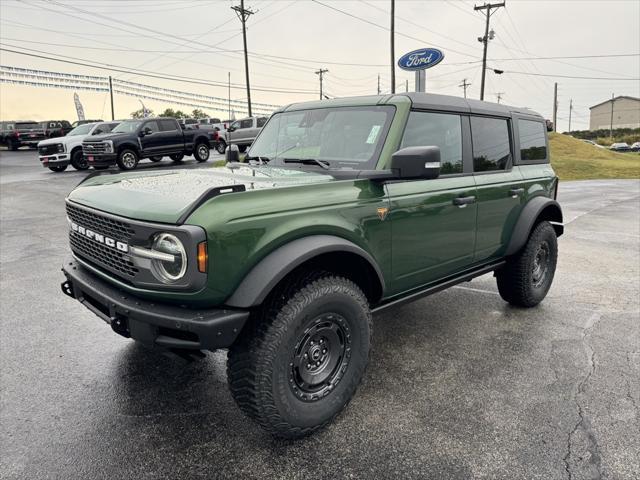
100 159
154 324
54 160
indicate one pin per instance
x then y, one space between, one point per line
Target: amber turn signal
203 257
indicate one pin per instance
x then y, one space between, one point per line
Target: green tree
140 113
197 113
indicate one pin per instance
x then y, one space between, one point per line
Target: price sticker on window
373 134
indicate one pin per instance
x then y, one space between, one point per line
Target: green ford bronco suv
341 209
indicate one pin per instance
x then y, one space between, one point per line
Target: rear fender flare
537 207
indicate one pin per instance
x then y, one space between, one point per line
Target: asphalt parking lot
460 385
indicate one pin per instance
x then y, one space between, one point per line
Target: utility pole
378 84
243 15
406 85
570 110
464 85
613 100
487 36
499 96
555 105
320 73
393 54
229 93
111 95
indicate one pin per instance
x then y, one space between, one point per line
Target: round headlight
169 271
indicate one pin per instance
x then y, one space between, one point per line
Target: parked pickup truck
57 154
153 138
345 207
242 132
221 127
16 134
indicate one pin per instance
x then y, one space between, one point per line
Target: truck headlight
168 271
108 146
60 148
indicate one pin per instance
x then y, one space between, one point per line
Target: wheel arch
324 252
130 146
538 209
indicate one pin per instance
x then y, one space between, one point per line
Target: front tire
13 146
127 159
299 362
155 159
201 153
221 147
526 278
58 168
78 161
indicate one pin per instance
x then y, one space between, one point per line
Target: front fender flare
265 275
537 206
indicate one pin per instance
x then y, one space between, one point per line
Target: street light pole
393 54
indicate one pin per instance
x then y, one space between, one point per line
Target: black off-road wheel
299 361
58 168
201 152
221 147
177 157
527 277
127 159
155 159
78 161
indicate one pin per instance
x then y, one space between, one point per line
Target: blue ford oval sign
420 59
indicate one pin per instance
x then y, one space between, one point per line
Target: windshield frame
355 164
137 123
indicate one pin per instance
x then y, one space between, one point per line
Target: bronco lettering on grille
98 237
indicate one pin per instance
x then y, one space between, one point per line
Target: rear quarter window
533 140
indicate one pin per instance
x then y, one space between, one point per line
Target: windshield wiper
308 161
261 160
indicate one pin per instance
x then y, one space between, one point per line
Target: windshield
339 136
127 127
81 130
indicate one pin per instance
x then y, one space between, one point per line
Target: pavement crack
583 424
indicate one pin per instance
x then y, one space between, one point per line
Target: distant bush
603 132
607 141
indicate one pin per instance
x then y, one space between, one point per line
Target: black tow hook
67 289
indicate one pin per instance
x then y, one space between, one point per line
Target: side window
261 122
152 125
248 123
107 127
491 145
438 129
533 145
167 125
235 125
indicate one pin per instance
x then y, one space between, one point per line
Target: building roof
614 99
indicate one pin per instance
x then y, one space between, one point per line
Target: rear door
500 186
433 234
171 136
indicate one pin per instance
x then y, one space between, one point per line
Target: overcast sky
204 42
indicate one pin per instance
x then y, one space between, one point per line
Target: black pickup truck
150 138
16 134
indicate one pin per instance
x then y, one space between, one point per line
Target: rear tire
526 278
221 146
155 159
58 168
78 161
13 146
299 361
177 157
201 152
127 159
100 167
242 148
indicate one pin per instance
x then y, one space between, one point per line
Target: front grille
95 252
93 147
116 229
48 149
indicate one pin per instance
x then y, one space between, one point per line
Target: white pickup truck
57 153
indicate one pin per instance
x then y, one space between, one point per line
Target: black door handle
464 201
516 192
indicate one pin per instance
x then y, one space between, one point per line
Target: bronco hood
165 196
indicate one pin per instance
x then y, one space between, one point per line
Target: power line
565 76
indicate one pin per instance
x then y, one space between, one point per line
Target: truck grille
95 252
93 147
48 149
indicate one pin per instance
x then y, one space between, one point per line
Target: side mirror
232 154
416 163
231 129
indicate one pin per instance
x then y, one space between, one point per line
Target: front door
151 142
433 222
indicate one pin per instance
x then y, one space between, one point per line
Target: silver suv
243 132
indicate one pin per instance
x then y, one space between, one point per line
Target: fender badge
382 212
